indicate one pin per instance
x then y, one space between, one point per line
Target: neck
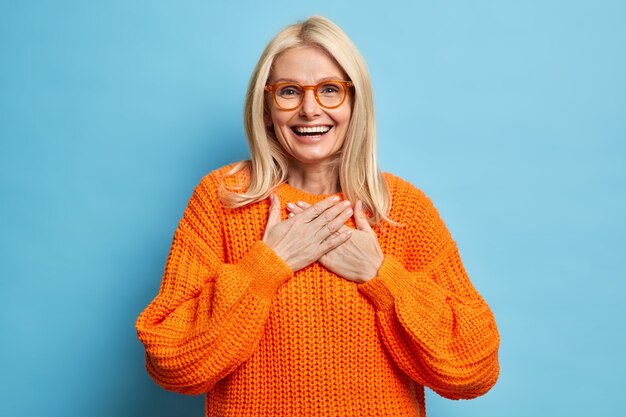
314 179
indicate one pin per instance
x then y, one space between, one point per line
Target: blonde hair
359 175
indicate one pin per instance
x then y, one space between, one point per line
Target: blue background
509 115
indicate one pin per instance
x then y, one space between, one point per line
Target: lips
311 130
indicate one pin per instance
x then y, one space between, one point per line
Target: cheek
344 118
279 128
346 110
278 118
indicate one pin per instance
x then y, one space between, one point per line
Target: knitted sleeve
208 315
435 325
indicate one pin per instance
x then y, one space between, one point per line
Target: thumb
273 217
360 219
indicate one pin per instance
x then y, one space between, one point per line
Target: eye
289 91
329 89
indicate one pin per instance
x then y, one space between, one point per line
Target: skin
359 257
317 232
311 157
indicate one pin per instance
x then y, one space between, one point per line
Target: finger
333 218
318 208
301 205
339 221
296 209
273 217
335 240
360 219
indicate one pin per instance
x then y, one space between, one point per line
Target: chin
314 156
313 149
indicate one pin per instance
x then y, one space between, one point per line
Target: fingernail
349 212
291 206
335 198
291 214
301 203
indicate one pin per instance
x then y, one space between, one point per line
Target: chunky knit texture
233 321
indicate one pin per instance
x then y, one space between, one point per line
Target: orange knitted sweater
233 321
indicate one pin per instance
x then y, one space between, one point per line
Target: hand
358 259
303 239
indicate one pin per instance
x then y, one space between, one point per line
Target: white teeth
313 129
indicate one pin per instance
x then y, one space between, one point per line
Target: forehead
307 65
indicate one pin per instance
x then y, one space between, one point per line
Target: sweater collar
286 193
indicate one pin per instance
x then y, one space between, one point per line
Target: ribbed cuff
268 271
392 281
381 288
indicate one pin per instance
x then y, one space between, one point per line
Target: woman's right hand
305 237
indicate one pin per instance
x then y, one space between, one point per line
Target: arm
435 325
208 315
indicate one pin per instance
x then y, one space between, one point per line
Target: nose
309 107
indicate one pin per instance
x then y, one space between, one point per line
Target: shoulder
408 202
233 177
402 191
212 185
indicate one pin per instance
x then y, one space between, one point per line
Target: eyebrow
291 80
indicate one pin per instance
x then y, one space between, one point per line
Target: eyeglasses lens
329 94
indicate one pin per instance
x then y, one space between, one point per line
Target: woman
305 282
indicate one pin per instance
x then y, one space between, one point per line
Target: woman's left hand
357 259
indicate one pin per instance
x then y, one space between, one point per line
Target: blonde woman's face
310 134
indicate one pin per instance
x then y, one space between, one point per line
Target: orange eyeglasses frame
272 88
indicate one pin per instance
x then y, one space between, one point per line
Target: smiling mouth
311 130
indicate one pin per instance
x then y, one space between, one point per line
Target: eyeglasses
329 94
